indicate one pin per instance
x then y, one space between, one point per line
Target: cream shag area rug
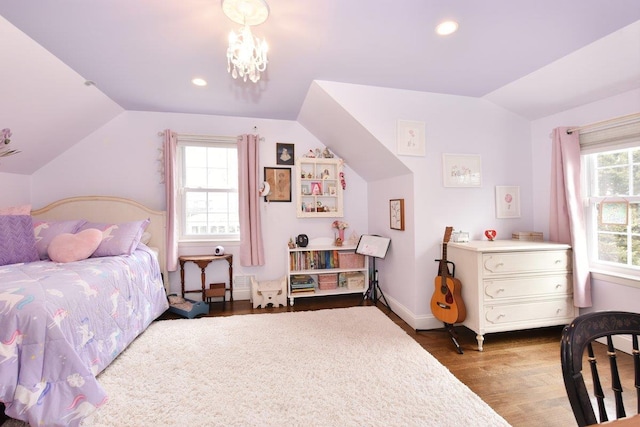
340 367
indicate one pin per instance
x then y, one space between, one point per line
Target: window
611 172
208 188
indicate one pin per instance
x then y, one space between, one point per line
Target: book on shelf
313 260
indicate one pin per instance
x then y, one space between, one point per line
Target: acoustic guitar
446 302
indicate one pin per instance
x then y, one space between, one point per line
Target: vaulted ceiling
143 54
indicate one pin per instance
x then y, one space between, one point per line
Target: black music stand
374 246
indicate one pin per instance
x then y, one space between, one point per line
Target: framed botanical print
396 214
279 180
410 138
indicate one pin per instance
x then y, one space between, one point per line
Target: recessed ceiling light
199 82
447 27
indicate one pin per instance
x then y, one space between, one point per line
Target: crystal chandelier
247 54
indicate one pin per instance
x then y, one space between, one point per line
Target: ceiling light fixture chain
247 54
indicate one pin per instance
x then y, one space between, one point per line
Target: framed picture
507 202
614 213
284 154
306 190
279 180
333 190
461 170
410 138
396 214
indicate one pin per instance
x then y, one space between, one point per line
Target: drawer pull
559 285
501 315
558 261
499 290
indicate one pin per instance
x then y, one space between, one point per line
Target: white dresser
509 285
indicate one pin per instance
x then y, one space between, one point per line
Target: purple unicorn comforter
62 324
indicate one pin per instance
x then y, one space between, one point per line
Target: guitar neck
444 270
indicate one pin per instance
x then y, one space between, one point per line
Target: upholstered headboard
111 209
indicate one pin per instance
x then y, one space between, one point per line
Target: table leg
230 260
182 277
203 277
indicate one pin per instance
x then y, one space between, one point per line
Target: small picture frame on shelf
316 188
333 191
305 189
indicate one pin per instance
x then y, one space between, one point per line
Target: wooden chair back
578 336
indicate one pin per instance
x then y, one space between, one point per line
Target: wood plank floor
518 374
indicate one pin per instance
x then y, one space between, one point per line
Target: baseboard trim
422 322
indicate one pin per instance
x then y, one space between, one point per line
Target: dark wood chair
579 336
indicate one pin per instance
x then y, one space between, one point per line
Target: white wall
605 294
16 188
121 159
454 124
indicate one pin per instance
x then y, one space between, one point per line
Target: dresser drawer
531 286
535 311
500 263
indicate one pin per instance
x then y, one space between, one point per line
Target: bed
62 323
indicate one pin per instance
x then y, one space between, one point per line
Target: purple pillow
118 239
17 242
45 231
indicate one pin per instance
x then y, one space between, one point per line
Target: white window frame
183 141
613 135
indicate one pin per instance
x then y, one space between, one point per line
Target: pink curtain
251 247
566 220
170 150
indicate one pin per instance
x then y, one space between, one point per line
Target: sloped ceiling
45 103
143 54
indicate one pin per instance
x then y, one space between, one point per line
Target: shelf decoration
340 226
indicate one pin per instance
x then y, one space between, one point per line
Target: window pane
613 181
636 172
612 248
635 250
212 213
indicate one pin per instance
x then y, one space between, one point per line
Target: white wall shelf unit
319 190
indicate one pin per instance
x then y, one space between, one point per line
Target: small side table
203 261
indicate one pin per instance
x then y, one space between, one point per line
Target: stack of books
302 283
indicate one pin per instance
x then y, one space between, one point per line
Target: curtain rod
630 118
195 135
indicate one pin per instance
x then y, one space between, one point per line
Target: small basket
328 281
355 280
350 260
